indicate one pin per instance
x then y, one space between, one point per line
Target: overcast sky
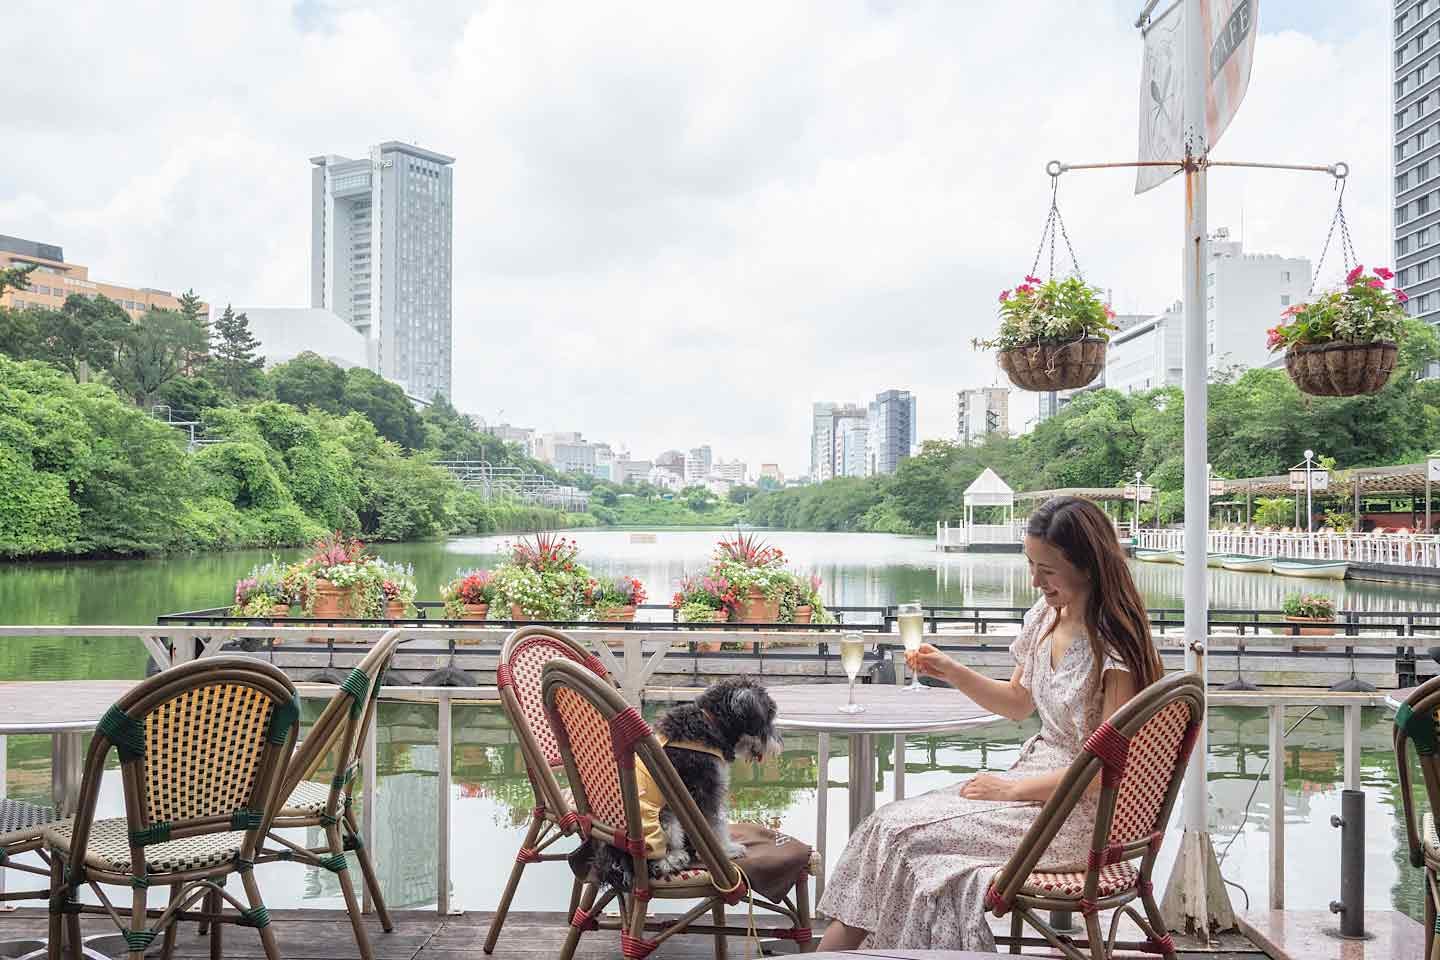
675 223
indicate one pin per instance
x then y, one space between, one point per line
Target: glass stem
852 692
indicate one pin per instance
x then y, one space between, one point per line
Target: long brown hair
1115 617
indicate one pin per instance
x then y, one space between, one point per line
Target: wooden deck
422 935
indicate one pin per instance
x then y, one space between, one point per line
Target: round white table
67 710
889 709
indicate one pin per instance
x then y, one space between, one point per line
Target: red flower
1401 295
1030 279
1004 295
1024 288
1355 274
1376 283
1384 274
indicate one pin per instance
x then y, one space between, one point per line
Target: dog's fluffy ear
749 703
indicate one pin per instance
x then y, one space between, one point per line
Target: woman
914 874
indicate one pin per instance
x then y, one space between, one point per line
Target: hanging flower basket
1341 369
1344 343
1044 367
1052 335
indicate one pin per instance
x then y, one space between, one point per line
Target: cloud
675 224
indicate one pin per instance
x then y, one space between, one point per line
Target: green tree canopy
308 381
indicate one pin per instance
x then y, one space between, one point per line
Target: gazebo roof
1086 493
989 490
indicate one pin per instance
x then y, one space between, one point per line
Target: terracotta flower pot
1047 366
713 646
475 611
518 615
755 608
625 614
280 611
332 602
1328 630
1341 369
803 614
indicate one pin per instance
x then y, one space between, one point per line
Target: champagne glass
912 634
853 647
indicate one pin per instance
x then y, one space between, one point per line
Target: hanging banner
1230 28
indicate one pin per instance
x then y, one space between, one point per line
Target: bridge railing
1393 549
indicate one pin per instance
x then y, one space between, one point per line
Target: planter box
625 614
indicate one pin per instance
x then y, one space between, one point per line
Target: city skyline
792 207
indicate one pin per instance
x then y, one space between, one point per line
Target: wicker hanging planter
1341 369
1047 366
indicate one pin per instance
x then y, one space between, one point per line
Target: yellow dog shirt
651 799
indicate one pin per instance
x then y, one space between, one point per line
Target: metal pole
1351 905
1309 503
442 860
1277 806
1427 497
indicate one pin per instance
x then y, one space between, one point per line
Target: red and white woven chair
600 736
522 659
1140 755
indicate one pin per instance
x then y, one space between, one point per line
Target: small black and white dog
732 717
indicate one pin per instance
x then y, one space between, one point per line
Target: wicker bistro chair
1416 723
22 829
336 741
522 659
202 747
1140 755
600 736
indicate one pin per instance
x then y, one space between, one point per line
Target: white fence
1396 549
960 535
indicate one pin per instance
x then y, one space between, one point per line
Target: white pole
1197 604
1309 505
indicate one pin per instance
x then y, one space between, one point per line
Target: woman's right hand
928 661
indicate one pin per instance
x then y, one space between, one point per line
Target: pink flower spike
1355 274
1401 295
1004 295
1384 274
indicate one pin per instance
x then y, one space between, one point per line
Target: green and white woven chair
22 829
336 741
202 748
1417 722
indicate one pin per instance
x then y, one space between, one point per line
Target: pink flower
1376 283
1004 295
1029 279
1024 288
1273 338
1384 274
1109 314
1355 274
1293 309
1401 295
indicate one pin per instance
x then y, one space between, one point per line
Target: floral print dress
915 873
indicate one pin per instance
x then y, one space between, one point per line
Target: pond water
491 798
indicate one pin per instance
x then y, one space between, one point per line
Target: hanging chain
1053 220
1347 249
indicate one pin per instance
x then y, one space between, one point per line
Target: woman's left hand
987 786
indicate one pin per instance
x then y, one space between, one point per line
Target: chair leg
802 911
215 905
1157 921
1017 930
1432 898
372 881
532 836
347 889
575 889
139 900
587 900
717 912
1097 937
167 952
57 926
267 932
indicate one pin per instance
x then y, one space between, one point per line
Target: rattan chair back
600 736
1417 722
523 657
337 737
1139 754
201 747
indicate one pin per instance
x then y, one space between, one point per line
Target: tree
197 332
309 381
16 278
152 354
82 335
236 366
383 404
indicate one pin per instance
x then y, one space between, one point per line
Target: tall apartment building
53 280
734 471
891 437
770 475
826 423
1245 294
1416 135
380 257
981 412
625 470
698 463
523 436
851 442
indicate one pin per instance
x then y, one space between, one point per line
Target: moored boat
1244 564
1215 560
1155 556
1312 569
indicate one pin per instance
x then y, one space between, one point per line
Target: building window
1285 276
1422 205
1284 299
1210 303
1402 181
1401 245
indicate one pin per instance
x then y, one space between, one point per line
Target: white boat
1243 564
1215 560
642 538
1312 570
1155 556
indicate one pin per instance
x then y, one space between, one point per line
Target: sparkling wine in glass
912 634
852 656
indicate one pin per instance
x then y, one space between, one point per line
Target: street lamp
1137 508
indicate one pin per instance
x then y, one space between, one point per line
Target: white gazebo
988 490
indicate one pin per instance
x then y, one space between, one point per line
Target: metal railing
1390 549
635 662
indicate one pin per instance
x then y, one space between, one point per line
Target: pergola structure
1402 480
1098 494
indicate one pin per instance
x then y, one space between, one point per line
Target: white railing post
1277 806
